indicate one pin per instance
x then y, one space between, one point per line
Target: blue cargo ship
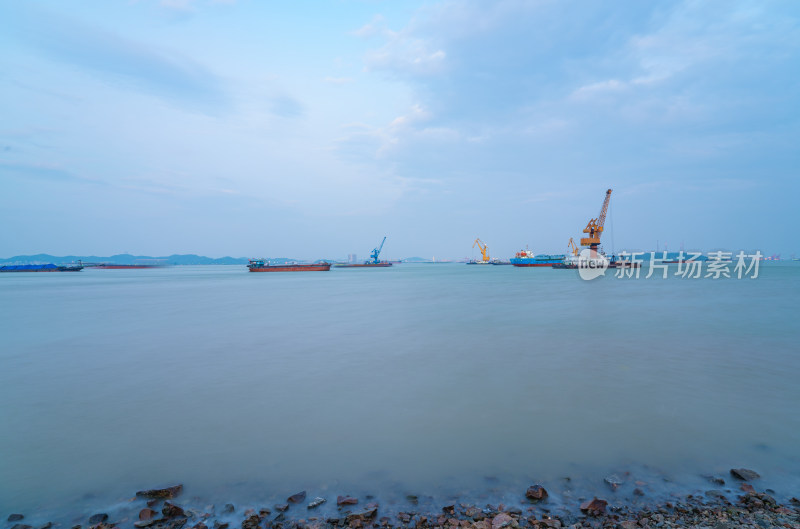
527 258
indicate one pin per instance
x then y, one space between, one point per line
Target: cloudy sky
310 129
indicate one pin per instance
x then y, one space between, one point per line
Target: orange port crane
572 248
595 227
484 250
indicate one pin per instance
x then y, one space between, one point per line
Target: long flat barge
262 265
382 264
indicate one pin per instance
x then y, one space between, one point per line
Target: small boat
42 268
262 265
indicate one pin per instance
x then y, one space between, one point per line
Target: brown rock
536 493
503 520
346 500
147 514
594 507
167 493
15 517
297 498
171 510
746 487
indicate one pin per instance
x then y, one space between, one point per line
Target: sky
314 129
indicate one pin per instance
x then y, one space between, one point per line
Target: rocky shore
747 508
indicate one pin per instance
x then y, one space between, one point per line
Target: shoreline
737 503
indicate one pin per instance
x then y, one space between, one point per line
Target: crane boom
484 250
376 252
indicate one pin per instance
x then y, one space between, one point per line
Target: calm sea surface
436 380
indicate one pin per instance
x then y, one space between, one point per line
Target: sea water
439 380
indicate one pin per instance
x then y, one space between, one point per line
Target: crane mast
484 250
595 226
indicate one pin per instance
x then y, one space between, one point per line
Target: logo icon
591 264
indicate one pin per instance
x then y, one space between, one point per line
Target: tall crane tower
375 253
595 227
484 250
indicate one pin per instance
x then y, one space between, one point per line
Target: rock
297 498
594 507
251 522
366 514
715 494
220 525
200 525
316 502
628 524
613 481
413 498
346 500
147 514
746 487
144 523
744 474
161 494
536 493
282 507
449 509
98 518
638 492
48 525
15 517
171 510
503 520
228 508
21 526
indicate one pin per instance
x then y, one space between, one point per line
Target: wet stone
21 526
15 517
316 502
744 474
613 481
166 493
346 500
283 507
220 525
594 507
147 514
536 493
297 498
171 510
48 525
98 518
229 508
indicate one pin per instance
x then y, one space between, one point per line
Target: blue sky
311 129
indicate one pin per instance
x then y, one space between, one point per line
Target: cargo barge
111 266
41 268
262 265
381 264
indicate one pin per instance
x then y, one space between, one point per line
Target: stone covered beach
735 503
